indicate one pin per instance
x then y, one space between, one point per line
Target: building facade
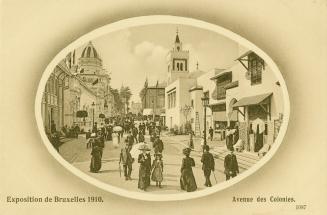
153 101
246 96
256 95
90 70
52 106
136 108
73 87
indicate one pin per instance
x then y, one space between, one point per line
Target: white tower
178 61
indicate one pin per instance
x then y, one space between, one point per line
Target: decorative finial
177 30
197 65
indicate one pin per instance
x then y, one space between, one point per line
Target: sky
132 54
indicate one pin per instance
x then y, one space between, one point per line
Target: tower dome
90 57
90 52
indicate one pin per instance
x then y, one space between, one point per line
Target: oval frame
148 20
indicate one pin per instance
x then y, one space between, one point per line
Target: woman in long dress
115 139
187 180
95 165
144 160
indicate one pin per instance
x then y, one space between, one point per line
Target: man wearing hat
130 138
158 145
208 165
231 165
127 160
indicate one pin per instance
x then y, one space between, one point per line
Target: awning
253 100
147 112
221 74
217 103
244 55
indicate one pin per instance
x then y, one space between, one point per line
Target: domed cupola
90 56
89 51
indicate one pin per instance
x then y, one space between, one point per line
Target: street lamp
205 103
93 114
153 113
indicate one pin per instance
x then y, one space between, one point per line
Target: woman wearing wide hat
145 167
187 180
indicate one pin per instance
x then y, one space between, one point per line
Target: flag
95 82
146 83
68 60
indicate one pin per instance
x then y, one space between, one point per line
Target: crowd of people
149 171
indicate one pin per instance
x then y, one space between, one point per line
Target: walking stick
214 176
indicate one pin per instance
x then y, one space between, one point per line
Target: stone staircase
245 159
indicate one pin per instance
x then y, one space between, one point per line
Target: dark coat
230 164
126 157
130 140
208 163
158 146
95 165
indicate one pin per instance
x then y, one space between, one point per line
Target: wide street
76 153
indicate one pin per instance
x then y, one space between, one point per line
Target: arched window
88 53
182 67
177 66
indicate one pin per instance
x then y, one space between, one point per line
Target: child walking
157 169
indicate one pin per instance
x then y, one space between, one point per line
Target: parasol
136 149
117 128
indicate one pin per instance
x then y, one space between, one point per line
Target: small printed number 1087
301 207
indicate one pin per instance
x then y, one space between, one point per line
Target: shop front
256 128
220 119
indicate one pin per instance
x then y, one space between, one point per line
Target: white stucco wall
173 115
245 88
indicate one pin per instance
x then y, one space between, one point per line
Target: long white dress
115 141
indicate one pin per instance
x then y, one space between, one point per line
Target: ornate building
90 70
75 87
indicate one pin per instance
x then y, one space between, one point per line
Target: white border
148 20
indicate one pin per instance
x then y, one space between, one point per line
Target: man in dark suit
158 145
130 139
208 165
231 165
127 160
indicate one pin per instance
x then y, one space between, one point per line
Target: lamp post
93 115
205 102
153 113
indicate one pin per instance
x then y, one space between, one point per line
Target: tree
82 114
118 105
186 110
142 93
125 95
